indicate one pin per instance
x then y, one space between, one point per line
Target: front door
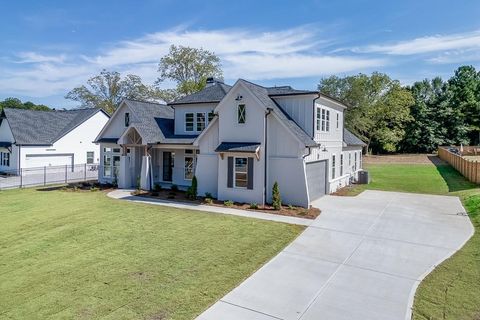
167 165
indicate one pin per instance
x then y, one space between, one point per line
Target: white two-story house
237 140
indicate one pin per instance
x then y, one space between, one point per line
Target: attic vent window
127 119
241 113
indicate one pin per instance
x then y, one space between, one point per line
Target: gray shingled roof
262 94
213 93
32 127
351 140
155 123
287 91
237 147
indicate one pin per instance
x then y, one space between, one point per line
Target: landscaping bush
157 187
276 199
253 206
228 203
208 195
208 200
192 190
174 187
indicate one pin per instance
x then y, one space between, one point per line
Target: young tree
189 68
108 89
379 107
276 198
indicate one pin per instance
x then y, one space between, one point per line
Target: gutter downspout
269 110
314 119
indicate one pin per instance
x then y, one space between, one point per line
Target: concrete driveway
362 258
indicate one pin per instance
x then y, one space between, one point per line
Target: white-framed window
323 120
338 120
355 162
318 118
5 159
111 162
360 160
189 164
240 173
197 121
241 114
90 157
350 160
201 121
341 165
189 121
333 166
127 119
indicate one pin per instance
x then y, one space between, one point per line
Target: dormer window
127 119
241 113
200 121
323 120
189 119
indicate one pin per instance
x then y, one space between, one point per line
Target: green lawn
452 290
81 255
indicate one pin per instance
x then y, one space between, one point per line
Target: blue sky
49 47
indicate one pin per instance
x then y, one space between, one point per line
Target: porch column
124 178
145 181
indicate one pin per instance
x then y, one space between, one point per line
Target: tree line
390 117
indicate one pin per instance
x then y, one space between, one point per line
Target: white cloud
250 54
429 44
33 57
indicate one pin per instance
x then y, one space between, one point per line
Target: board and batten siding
207 162
300 109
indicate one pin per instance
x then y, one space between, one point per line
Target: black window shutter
230 172
250 174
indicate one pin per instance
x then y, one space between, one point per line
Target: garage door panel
34 161
316 179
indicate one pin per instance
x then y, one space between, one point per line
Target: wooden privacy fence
470 169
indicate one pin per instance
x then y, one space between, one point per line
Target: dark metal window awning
239 147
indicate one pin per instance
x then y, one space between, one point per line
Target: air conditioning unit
363 177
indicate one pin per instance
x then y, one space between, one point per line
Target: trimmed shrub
208 195
228 203
253 206
157 187
208 200
192 190
276 199
174 187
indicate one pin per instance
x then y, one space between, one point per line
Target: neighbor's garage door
52 160
316 179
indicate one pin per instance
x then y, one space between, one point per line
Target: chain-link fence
43 176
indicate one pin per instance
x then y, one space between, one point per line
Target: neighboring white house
237 140
31 139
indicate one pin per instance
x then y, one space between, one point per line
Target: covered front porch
145 165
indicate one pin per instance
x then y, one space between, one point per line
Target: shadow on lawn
455 181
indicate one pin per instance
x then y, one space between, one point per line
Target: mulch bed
81 186
180 196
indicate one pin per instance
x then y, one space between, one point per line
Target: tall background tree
379 108
189 69
108 89
18 104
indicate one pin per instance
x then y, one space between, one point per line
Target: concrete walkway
124 194
362 258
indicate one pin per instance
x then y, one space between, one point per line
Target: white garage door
316 179
51 160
